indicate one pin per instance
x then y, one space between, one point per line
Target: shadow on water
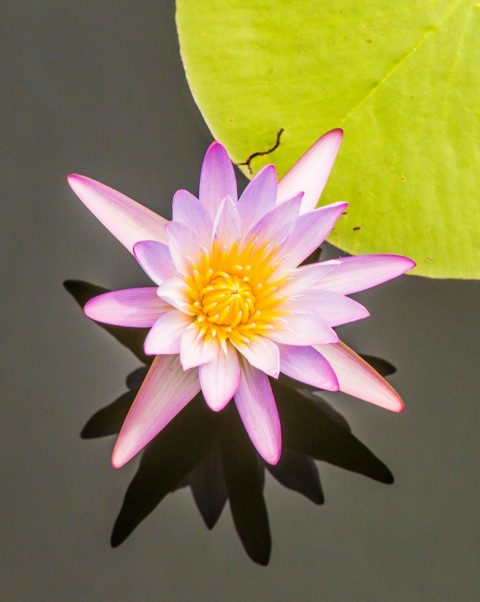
212 455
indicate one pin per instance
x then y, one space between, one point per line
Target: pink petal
188 210
183 244
220 378
256 405
359 379
226 226
258 197
155 260
309 231
217 179
332 308
308 366
164 337
136 307
126 219
174 292
196 350
274 226
303 328
364 271
166 390
310 173
304 277
261 353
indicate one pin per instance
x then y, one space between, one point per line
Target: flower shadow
212 455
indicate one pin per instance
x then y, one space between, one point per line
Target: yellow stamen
228 304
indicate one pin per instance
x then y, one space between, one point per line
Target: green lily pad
400 78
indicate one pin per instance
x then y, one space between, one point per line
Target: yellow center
228 299
232 292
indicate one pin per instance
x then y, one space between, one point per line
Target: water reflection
212 454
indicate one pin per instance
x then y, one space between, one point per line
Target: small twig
261 153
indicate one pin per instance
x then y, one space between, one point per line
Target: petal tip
74 180
87 308
273 456
399 407
336 133
118 460
216 146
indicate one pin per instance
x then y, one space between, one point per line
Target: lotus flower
233 305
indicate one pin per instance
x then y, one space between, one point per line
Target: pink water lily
233 305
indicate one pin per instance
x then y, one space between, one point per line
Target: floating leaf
400 78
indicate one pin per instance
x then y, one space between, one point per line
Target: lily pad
400 78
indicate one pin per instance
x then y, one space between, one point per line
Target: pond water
98 88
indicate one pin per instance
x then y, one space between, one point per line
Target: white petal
332 308
307 365
174 292
136 307
306 276
126 219
303 328
155 260
165 391
261 353
359 379
310 173
164 337
256 405
220 378
226 227
275 226
309 231
364 271
217 179
183 244
188 210
196 350
258 197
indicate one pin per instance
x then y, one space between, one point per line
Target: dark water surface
98 88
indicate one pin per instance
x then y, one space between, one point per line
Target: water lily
233 305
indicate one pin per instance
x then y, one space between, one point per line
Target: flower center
233 292
228 300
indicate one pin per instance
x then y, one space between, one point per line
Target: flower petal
304 277
359 379
126 219
166 390
261 353
217 179
332 308
164 336
196 349
226 226
155 260
256 405
274 226
309 231
188 210
174 292
364 271
258 197
308 366
220 378
310 173
183 244
303 328
135 307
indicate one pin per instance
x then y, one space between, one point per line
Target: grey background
98 88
